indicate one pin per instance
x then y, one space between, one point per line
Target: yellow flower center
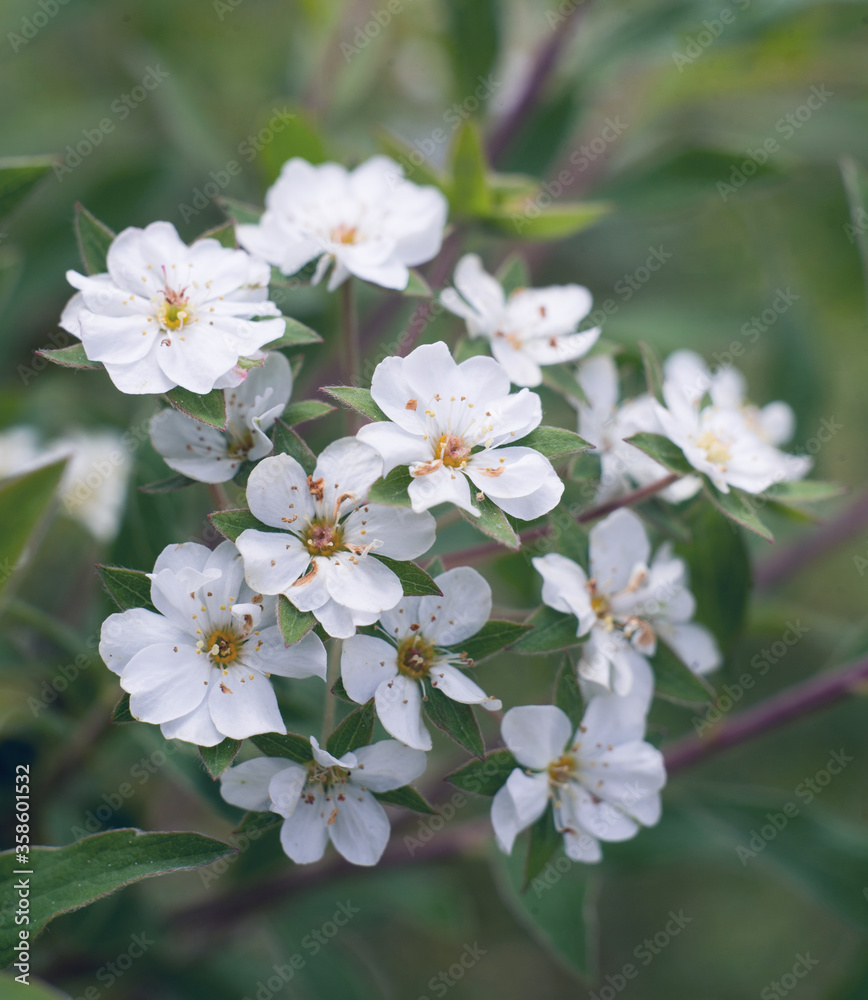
415 657
345 234
323 538
452 451
716 450
222 645
562 770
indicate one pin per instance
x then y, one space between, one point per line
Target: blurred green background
667 99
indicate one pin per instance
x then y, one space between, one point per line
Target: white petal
565 588
400 532
305 658
459 687
536 734
399 708
360 830
443 485
194 727
273 560
387 765
304 834
365 663
508 472
362 583
278 492
183 555
246 785
129 632
694 644
165 682
193 449
243 704
395 445
543 499
462 610
284 788
349 468
614 718
617 544
504 819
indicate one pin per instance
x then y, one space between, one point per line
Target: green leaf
740 507
408 798
294 624
290 746
567 537
304 410
392 490
455 719
171 484
420 170
469 196
216 759
551 631
287 442
26 503
69 357
414 579
653 370
526 220
128 588
18 176
121 713
804 491
472 42
417 287
664 451
230 523
544 840
493 523
554 442
484 777
493 636
568 694
358 399
224 234
68 878
339 691
94 239
208 409
295 335
675 679
563 381
239 211
355 731
720 573
514 274
258 821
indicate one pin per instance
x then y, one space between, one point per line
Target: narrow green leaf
675 679
455 719
68 878
239 211
128 588
664 451
653 370
741 508
69 357
18 176
492 637
230 523
356 398
473 32
258 822
468 193
415 581
287 442
171 484
804 491
493 523
290 746
224 234
551 631
26 502
563 381
94 239
524 219
417 287
392 490
216 759
568 695
294 624
416 168
484 777
544 840
304 410
121 713
514 273
296 134
209 409
408 798
339 691
554 442
355 731
296 334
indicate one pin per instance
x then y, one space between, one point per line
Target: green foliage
484 777
514 274
392 489
290 746
18 177
568 695
664 451
653 371
208 409
287 442
295 335
469 196
217 758
294 624
494 636
230 523
415 581
357 399
674 679
492 522
554 442
407 798
355 731
455 719
741 508
304 410
128 588
550 631
543 841
94 239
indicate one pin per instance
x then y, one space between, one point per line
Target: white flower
529 328
603 780
775 423
168 315
324 557
451 423
605 425
723 443
213 456
395 673
200 667
626 604
370 222
329 799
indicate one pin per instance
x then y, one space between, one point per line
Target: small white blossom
369 222
199 667
603 780
329 799
323 556
628 601
605 424
168 315
395 673
528 328
454 425
213 456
